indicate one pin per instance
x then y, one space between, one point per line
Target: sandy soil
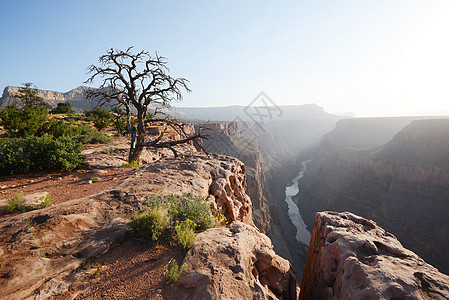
131 270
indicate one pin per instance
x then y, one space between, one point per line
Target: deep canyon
335 197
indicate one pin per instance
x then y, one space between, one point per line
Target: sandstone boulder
236 262
352 258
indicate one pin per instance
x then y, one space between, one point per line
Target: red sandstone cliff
352 258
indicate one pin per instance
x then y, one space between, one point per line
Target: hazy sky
370 57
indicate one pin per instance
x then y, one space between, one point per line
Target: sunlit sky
370 57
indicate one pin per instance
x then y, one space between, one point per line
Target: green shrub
89 264
94 179
100 117
63 108
120 126
16 202
185 233
46 201
220 220
173 271
39 153
22 123
59 128
192 208
150 224
87 135
130 164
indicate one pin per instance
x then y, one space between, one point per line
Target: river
302 234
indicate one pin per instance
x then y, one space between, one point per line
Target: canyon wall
270 156
402 185
75 97
350 257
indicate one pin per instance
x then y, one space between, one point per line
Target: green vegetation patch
39 153
173 271
179 216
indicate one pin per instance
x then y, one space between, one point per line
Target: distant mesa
228 113
250 113
75 97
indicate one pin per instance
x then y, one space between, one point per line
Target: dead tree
137 82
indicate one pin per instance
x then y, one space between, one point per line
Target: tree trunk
137 138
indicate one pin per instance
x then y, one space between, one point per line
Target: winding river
302 234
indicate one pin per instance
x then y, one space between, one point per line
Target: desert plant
89 264
39 153
63 108
16 202
94 179
173 271
192 208
185 233
46 201
131 164
22 123
29 98
150 224
88 135
100 117
220 220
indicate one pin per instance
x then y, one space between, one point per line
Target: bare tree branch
136 82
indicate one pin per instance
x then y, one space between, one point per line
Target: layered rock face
225 139
352 258
270 157
75 97
403 186
222 257
40 249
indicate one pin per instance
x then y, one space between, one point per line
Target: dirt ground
131 270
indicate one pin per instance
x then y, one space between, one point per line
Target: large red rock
352 258
236 262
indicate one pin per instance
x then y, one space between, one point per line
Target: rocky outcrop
222 257
403 186
228 138
39 249
269 155
75 97
352 258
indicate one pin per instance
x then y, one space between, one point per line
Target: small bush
220 220
192 208
100 117
22 123
63 108
39 153
59 128
173 271
16 202
150 224
185 233
94 179
130 164
47 201
89 264
88 135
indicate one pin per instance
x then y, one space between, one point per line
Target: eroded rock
236 262
352 258
40 248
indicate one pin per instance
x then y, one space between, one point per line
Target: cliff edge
352 258
41 251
